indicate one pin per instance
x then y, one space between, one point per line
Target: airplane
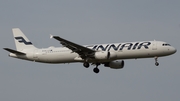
111 55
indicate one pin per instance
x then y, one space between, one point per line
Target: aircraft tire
96 70
157 64
86 64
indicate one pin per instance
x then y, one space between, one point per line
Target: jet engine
102 55
116 64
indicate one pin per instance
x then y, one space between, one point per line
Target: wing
84 52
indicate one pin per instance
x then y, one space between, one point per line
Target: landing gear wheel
157 64
96 70
86 64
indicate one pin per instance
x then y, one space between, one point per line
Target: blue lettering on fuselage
102 47
128 46
145 44
114 47
94 47
135 45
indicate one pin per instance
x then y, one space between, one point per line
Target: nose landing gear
156 61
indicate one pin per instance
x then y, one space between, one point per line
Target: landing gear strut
156 61
96 70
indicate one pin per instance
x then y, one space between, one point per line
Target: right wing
14 51
84 52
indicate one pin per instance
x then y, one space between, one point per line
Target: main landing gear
156 61
86 64
96 70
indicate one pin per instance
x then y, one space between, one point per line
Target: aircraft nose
173 50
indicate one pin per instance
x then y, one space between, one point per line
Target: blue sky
90 22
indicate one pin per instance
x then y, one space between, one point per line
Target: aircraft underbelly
135 54
57 58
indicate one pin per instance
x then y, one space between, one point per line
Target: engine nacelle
102 55
116 64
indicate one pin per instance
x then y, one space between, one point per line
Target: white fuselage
128 50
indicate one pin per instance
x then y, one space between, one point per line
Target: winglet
51 36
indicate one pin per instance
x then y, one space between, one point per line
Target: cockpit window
165 44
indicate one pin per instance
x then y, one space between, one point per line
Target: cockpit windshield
166 44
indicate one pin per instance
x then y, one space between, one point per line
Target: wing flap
14 51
